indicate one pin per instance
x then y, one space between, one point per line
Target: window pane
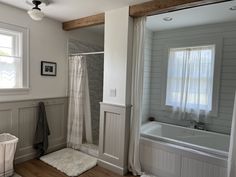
6 51
6 41
10 72
11 60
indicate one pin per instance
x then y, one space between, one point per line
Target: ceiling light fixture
167 19
233 8
36 13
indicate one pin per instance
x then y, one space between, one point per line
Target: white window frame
185 43
24 32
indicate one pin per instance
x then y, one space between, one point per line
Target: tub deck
208 142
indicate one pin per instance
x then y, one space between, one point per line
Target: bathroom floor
37 168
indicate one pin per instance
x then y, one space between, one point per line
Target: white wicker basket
8 145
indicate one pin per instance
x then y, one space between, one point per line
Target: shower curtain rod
88 53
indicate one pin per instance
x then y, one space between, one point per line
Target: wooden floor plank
37 168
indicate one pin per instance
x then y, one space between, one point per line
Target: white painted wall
47 42
118 29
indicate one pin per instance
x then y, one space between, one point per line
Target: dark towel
42 131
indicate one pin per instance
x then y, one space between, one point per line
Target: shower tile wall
95 78
153 73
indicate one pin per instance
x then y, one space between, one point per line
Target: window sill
14 91
168 108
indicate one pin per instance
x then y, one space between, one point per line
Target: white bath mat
70 162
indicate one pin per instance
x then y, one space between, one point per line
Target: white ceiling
192 17
65 10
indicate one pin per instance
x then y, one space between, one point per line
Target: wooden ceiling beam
163 6
84 22
144 9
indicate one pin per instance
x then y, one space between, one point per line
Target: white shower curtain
79 116
232 149
137 92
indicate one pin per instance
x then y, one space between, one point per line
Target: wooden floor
37 168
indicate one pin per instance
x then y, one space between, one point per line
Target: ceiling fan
35 13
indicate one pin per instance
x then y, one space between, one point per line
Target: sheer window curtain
190 81
232 149
137 92
11 72
79 117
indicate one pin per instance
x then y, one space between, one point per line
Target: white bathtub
174 151
209 142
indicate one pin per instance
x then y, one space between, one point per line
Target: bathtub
174 151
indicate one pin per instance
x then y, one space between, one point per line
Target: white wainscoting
167 160
199 168
114 136
20 117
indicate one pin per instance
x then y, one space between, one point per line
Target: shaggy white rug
70 162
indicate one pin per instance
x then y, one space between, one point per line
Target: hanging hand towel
42 131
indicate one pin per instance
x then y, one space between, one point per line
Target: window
190 78
13 57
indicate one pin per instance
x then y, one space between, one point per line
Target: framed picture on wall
48 68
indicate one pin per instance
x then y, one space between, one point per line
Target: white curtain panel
232 149
10 72
137 92
190 81
78 102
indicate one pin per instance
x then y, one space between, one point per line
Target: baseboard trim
32 155
24 158
114 168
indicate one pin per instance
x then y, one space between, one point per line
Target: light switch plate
112 92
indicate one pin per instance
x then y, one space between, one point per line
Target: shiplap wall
227 31
147 74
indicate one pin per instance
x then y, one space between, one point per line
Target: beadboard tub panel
168 160
114 136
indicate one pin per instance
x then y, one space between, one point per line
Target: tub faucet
197 125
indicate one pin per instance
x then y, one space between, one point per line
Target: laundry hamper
8 145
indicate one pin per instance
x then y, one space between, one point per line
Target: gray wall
20 117
95 77
227 31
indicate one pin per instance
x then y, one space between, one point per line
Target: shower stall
91 70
